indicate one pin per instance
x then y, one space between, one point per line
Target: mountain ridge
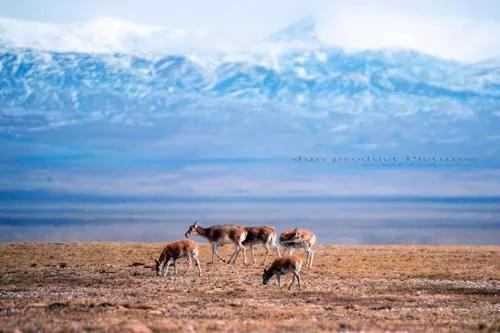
303 30
43 89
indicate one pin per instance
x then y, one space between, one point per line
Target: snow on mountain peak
302 31
104 35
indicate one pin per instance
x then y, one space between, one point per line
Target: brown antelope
219 235
281 266
299 238
184 248
261 235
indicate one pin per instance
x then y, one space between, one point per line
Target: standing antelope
299 238
184 248
261 235
219 235
281 266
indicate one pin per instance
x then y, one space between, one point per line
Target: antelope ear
295 231
195 223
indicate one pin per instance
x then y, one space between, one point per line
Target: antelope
281 266
299 238
264 235
184 248
219 235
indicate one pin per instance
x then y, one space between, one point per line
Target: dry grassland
102 287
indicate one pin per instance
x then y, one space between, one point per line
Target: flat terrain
111 287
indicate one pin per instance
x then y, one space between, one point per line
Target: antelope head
192 229
158 267
267 275
294 234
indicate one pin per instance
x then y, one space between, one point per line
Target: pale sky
234 18
461 29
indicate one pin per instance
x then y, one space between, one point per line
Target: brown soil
70 287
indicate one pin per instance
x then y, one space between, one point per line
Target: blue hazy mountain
316 79
123 137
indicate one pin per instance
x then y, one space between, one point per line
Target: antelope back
228 232
262 234
297 236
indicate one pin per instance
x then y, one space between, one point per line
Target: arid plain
66 287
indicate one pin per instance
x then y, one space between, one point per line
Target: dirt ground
70 287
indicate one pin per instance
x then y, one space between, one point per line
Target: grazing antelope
281 266
184 248
261 235
219 235
299 238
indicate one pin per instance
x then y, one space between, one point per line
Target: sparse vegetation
112 287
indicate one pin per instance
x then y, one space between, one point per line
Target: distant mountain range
106 123
292 71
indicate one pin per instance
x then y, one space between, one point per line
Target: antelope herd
219 235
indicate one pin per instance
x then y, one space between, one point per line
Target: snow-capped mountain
303 31
109 122
105 35
301 74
